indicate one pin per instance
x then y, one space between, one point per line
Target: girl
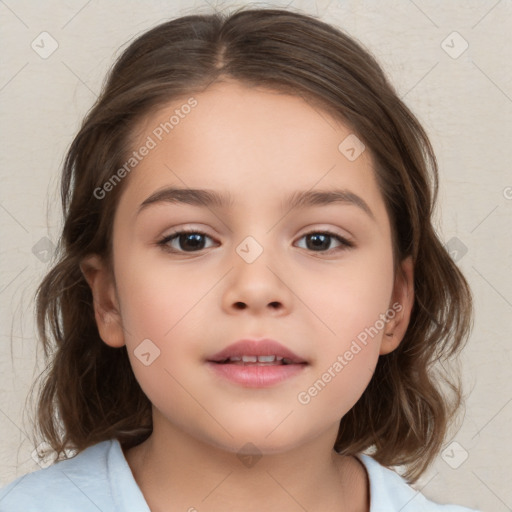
250 293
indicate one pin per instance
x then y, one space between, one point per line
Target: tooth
235 358
250 359
266 359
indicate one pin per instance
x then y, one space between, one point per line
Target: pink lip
255 375
252 347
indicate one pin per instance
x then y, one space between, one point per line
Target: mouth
271 360
256 363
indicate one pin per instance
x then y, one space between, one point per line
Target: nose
260 287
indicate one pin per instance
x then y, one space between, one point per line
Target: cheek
161 318
349 298
164 304
158 298
350 301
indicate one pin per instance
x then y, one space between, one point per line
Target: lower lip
254 376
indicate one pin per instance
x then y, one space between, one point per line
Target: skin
260 146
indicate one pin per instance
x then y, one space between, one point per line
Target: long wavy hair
88 391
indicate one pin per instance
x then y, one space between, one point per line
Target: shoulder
389 491
89 481
77 480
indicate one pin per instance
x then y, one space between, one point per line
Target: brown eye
189 241
186 241
321 241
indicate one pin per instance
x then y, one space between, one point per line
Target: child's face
260 147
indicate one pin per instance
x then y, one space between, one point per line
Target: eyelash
163 243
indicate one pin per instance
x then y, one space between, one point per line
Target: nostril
240 305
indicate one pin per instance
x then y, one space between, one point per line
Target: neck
175 469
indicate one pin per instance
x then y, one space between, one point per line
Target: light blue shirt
99 479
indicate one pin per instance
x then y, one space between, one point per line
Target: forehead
257 144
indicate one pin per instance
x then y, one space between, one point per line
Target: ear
105 302
400 307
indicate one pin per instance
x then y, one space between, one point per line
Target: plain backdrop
449 61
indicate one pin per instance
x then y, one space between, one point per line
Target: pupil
196 241
195 238
319 241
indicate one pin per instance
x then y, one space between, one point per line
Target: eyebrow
211 198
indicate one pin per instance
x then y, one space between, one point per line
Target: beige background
464 102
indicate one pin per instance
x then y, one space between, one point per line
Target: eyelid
187 228
334 231
344 241
164 240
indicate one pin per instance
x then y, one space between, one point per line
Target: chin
257 441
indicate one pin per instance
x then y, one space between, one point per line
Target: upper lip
256 347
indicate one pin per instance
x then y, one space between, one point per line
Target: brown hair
90 393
